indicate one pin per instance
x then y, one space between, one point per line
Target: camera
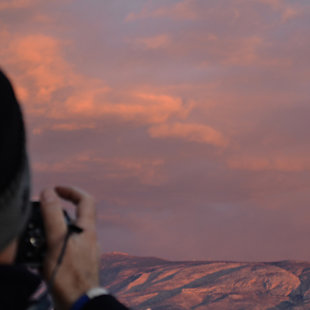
32 243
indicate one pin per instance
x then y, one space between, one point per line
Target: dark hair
12 133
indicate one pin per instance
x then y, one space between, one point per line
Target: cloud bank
187 119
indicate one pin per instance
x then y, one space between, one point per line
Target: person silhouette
71 263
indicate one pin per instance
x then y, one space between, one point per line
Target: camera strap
72 229
43 303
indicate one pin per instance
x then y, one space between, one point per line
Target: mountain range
148 283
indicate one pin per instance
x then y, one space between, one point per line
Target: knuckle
51 205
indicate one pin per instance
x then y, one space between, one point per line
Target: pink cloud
281 164
25 4
145 108
287 10
112 107
17 4
147 171
246 54
196 9
181 10
153 42
45 72
189 131
72 126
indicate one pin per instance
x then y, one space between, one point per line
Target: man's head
14 171
12 134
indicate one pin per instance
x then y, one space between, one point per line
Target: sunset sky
188 120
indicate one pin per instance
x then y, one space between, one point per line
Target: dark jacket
21 289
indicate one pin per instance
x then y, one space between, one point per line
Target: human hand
79 270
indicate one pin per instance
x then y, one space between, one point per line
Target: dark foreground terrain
156 284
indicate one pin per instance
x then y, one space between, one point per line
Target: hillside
156 284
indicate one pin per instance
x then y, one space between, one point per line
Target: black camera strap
72 229
43 303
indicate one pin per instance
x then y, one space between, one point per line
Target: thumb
53 218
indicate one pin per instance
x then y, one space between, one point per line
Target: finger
54 222
86 212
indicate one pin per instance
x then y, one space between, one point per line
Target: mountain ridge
157 284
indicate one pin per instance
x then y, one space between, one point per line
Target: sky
188 120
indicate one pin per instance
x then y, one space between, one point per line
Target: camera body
32 243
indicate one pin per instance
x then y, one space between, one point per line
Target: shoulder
21 288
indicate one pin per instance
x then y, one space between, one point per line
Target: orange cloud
50 86
289 13
22 4
250 112
17 4
147 108
59 167
189 131
47 83
40 69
